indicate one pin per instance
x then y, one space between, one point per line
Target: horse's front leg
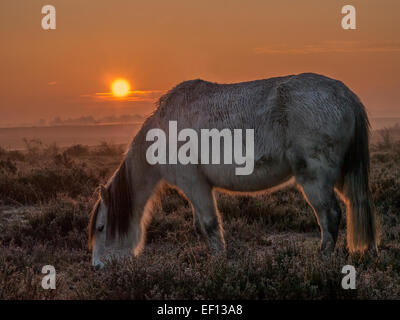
206 217
196 223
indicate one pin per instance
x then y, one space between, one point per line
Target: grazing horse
307 126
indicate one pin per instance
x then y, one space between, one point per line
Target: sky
156 44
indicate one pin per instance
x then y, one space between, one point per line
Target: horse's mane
119 205
92 223
120 202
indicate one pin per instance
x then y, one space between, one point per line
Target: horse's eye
100 228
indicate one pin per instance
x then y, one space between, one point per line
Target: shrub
77 150
107 149
43 184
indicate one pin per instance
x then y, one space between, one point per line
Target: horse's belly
264 176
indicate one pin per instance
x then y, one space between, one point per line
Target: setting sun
120 88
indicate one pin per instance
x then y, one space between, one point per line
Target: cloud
135 96
331 47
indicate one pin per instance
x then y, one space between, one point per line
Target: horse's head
111 233
112 230
98 229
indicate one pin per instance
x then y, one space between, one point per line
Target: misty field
47 192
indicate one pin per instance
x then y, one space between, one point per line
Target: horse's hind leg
317 181
327 211
205 212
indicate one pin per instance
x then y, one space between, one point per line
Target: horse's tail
361 220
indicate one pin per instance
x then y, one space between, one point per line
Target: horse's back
308 96
204 104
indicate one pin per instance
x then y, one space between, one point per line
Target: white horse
307 126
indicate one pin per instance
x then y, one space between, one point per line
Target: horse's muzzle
98 265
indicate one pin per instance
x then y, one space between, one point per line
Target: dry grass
46 195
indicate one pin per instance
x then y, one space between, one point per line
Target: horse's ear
104 194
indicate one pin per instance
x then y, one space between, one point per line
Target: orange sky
156 44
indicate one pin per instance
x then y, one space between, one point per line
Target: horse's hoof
327 249
98 266
218 248
197 228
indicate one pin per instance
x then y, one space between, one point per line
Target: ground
46 194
